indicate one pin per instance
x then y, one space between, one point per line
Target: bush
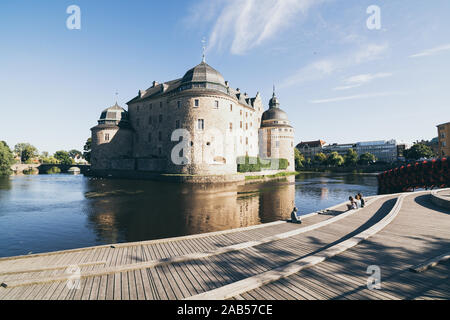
255 164
53 170
30 171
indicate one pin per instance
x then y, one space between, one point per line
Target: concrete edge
245 285
430 263
439 200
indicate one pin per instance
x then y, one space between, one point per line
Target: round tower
112 138
276 135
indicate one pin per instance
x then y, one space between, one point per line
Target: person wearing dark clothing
294 217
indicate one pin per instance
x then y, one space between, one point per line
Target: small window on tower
179 104
216 104
201 124
106 136
196 103
231 107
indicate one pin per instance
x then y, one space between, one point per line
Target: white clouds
355 97
431 52
322 68
244 24
361 79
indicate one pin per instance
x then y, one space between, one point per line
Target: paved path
186 267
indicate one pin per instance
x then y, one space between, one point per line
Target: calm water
54 212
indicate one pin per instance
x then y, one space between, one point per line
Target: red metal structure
425 174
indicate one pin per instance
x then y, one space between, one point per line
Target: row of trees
27 153
334 159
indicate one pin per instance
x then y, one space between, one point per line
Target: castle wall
118 146
230 130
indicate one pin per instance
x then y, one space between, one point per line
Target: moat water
55 212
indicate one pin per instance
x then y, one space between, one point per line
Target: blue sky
337 80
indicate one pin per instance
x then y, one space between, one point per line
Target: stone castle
196 125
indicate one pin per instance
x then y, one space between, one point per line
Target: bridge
331 255
43 168
425 174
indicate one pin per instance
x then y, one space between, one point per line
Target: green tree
299 159
6 159
320 158
335 159
63 157
417 151
73 153
26 151
367 158
351 158
87 150
49 160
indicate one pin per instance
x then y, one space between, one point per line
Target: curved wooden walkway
194 266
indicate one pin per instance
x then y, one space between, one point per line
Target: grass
271 176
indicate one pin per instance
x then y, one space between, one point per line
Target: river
41 213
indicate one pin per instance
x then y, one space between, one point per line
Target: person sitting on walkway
358 202
294 217
352 204
363 203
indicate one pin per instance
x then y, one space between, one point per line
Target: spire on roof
204 50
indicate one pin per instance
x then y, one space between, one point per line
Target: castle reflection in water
123 211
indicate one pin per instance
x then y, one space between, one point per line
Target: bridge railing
428 174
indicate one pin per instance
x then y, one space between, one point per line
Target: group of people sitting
356 202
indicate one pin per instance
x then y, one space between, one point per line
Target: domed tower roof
274 116
203 76
114 115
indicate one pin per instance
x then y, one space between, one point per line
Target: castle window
216 104
240 140
241 125
159 135
159 151
277 144
177 124
149 137
246 114
231 107
151 106
240 112
231 126
160 118
246 126
179 104
201 124
251 124
106 136
196 103
246 140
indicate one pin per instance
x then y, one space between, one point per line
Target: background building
310 148
444 139
387 151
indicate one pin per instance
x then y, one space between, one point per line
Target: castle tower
112 138
276 135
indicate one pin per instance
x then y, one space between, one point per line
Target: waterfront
55 212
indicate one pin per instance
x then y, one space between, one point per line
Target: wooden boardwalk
202 265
